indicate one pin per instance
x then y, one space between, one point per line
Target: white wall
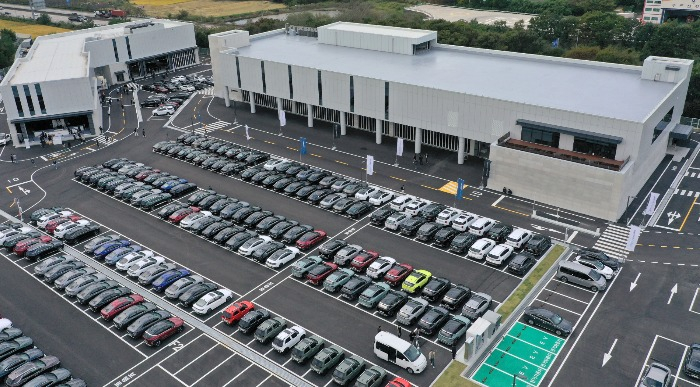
336 91
369 97
305 82
251 74
277 79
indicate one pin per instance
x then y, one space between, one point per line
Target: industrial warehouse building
575 134
56 86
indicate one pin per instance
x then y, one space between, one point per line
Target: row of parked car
27 242
189 83
23 364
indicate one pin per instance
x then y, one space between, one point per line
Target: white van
389 347
480 248
401 202
518 238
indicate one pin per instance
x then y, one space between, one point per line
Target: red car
398 382
310 239
21 247
235 312
162 330
397 274
51 226
363 260
120 304
320 272
142 175
180 214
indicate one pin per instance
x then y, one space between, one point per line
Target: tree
674 39
44 19
616 54
8 46
583 52
580 7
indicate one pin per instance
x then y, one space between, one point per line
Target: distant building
57 85
574 134
659 11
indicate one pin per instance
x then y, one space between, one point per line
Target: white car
212 300
5 323
415 207
394 220
519 237
481 248
463 221
271 164
597 266
481 226
499 254
380 198
288 338
401 202
253 244
44 220
142 265
366 192
447 216
62 229
191 218
13 232
379 267
131 258
164 110
281 257
189 88
178 78
5 139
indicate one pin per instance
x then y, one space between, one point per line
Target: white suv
463 221
447 216
481 226
288 338
481 248
401 202
416 206
518 238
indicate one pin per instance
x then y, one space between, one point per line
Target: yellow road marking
397 178
690 248
8 189
269 142
429 187
315 155
652 245
676 247
513 211
341 162
688 214
294 149
450 188
663 247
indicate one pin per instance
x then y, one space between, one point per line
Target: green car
304 266
336 280
454 329
326 359
346 371
307 348
149 202
371 296
372 377
415 282
269 329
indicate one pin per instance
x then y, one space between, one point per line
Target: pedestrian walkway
689 193
207 91
450 188
613 241
208 128
133 86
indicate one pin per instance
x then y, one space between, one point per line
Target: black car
208 201
13 362
435 289
272 179
462 242
548 320
304 192
292 188
13 346
232 168
600 256
521 263
353 288
432 210
318 195
691 363
409 227
392 303
455 297
191 295
125 318
95 288
264 226
343 204
295 233
252 319
200 225
138 327
168 210
250 172
262 253
260 176
256 158
380 216
223 235
295 169
198 196
104 298
252 220
427 231
433 320
215 227
220 204
11 241
538 244
444 237
243 213
316 177
182 189
499 232
43 250
9 334
359 209
283 183
328 249
282 227
57 271
239 239
230 209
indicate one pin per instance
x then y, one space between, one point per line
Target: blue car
114 257
108 247
172 183
168 278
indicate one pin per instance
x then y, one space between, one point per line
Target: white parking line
558 307
692 303
239 374
212 370
195 359
564 295
172 375
263 382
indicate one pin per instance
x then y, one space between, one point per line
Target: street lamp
628 206
518 376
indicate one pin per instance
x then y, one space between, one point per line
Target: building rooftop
586 87
397 32
61 56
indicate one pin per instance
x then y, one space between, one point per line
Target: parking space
670 353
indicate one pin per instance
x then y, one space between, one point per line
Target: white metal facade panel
305 82
251 74
161 41
369 97
101 52
336 91
277 79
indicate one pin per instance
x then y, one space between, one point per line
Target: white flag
632 238
651 205
283 118
370 165
399 147
247 136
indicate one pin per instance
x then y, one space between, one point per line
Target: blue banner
460 189
302 149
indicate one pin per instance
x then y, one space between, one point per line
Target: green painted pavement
494 378
526 351
537 337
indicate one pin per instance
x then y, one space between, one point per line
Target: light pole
628 206
516 377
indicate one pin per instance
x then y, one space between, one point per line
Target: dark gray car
128 316
29 370
16 360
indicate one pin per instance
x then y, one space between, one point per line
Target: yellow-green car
415 282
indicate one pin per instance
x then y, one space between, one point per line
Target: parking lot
672 354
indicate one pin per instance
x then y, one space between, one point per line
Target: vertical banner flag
283 118
460 189
247 136
370 165
302 148
651 206
399 147
633 237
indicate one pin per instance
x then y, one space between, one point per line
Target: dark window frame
28 97
542 137
40 98
116 51
18 101
262 71
320 89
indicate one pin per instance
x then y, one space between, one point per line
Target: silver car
73 275
394 221
81 283
154 272
411 312
52 262
180 286
346 254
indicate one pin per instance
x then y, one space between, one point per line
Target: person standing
402 189
379 329
55 165
398 329
33 163
411 336
136 133
431 356
453 347
426 158
420 159
12 158
143 132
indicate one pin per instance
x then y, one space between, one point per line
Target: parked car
329 249
363 260
415 282
137 328
307 348
412 311
348 369
521 263
269 329
397 274
156 333
455 297
392 303
353 288
288 338
251 320
125 318
15 361
326 359
180 286
433 320
335 281
281 257
453 330
380 267
236 312
372 377
305 265
27 371
499 254
119 305
550 321
346 254
435 289
462 242
477 305
371 296
212 300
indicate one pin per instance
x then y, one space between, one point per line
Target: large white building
57 84
576 134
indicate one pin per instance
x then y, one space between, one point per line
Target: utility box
495 320
477 336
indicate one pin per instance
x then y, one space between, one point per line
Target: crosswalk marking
613 241
133 86
208 128
683 192
450 188
207 91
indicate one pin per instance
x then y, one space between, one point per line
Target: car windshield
318 363
473 303
201 302
556 319
278 342
594 275
649 382
412 353
452 326
227 314
297 353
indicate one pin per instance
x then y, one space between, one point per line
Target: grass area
451 377
31 29
213 8
535 275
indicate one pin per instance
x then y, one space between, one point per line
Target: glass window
386 100
540 137
128 47
18 101
595 148
262 70
320 90
40 97
116 52
352 94
238 73
291 85
28 97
